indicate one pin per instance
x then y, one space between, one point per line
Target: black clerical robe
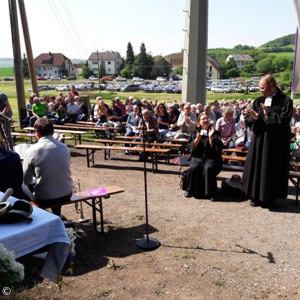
265 176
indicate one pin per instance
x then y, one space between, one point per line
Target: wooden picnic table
153 152
140 143
75 133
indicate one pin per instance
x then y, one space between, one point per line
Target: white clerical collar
268 101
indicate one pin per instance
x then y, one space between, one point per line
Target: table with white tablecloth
45 229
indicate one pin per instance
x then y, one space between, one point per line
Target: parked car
107 78
8 79
55 78
221 89
161 79
92 77
137 79
119 78
41 78
71 77
63 87
253 88
130 88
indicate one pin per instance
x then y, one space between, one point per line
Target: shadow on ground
92 248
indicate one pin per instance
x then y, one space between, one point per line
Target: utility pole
98 71
195 52
28 46
17 60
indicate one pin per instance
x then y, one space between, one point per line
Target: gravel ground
209 250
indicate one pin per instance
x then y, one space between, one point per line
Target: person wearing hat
266 171
5 118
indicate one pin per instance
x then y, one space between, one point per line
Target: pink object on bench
97 192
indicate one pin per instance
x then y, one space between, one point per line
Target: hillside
285 41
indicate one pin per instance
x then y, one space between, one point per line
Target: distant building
111 61
213 68
175 59
240 59
78 69
53 64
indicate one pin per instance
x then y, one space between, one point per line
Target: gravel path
210 250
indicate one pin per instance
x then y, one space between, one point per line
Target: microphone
7 194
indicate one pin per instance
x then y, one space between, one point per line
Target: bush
11 272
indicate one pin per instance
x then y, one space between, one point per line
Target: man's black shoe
187 194
254 203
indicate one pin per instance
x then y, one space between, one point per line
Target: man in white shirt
72 111
46 166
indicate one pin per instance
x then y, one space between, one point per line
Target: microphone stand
146 244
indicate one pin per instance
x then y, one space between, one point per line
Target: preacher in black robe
265 176
200 180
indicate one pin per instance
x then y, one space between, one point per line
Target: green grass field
6 72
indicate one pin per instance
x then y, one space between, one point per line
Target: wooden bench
153 152
234 158
75 133
140 143
24 134
93 197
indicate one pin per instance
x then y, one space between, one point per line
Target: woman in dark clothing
200 180
163 119
266 170
11 173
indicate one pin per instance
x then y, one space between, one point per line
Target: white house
212 69
240 59
111 60
53 64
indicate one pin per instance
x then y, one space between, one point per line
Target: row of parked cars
232 87
145 86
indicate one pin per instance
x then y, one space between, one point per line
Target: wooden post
28 46
17 60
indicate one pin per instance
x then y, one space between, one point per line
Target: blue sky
111 24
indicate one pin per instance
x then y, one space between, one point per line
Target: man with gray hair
46 167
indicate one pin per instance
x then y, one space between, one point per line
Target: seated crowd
209 129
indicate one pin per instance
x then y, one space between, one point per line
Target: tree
101 69
249 67
233 72
25 67
86 71
161 67
280 64
179 70
265 65
143 63
126 72
129 55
